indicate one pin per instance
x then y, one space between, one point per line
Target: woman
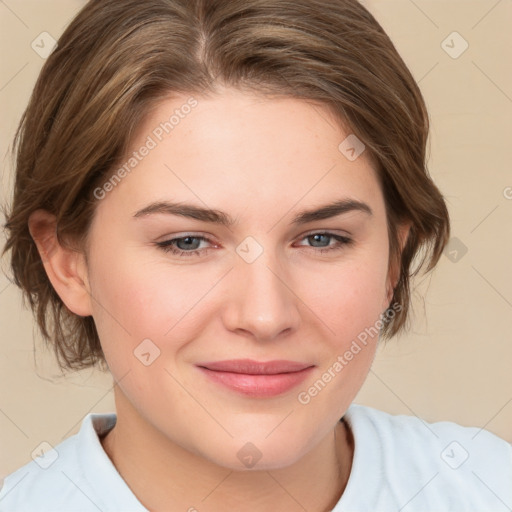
227 198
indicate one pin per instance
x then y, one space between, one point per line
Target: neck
165 476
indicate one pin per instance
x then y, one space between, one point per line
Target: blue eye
318 238
190 245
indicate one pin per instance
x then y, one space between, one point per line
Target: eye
321 241
190 245
184 246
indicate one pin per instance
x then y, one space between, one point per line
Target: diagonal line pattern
424 13
198 301
96 403
17 426
492 81
281 422
428 72
229 229
301 300
492 418
286 491
14 486
13 13
5 288
295 204
81 490
218 485
485 218
199 403
320 113
508 507
493 287
424 423
109 313
486 14
169 168
404 505
499 1
14 76
300 199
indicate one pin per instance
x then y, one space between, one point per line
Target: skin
177 435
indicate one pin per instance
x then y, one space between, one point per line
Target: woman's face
174 293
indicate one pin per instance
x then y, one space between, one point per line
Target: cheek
348 297
139 300
135 300
351 305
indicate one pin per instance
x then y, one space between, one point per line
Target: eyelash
168 245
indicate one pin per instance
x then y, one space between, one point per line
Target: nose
261 301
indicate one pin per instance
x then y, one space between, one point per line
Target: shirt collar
99 470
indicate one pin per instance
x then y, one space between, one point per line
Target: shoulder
74 475
45 481
441 465
400 428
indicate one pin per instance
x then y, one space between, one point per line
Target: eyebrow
327 211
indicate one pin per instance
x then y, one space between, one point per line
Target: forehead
253 126
242 150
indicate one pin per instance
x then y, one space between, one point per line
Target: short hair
120 58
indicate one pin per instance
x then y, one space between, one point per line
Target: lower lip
258 385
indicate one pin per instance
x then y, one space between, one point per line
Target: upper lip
250 367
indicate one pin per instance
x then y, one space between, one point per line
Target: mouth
254 378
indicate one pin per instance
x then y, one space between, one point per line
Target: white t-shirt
401 463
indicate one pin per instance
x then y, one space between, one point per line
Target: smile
256 379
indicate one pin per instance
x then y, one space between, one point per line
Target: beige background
454 366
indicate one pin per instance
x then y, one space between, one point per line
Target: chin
258 456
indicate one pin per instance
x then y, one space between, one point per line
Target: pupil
317 237
187 242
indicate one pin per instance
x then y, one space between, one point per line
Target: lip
257 378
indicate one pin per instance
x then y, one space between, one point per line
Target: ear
394 270
66 267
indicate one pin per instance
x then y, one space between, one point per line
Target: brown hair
119 58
